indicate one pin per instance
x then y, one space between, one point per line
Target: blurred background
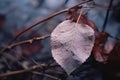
16 15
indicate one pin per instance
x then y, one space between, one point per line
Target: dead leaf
71 45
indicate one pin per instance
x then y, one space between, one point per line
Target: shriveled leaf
98 48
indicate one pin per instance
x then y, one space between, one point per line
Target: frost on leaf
71 44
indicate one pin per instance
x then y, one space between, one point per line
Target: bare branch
24 42
51 16
43 20
30 41
22 71
107 15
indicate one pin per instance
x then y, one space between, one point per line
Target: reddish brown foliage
98 49
100 36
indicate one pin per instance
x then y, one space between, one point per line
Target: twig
27 41
47 75
22 71
13 59
107 15
30 70
43 20
55 14
78 17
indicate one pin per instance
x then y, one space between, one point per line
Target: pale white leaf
71 44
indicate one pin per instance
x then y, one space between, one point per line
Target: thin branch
22 71
53 15
78 17
43 20
47 75
24 42
30 41
107 15
30 70
39 22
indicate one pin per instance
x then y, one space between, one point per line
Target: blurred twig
51 16
43 20
47 75
22 71
31 69
14 59
107 15
27 41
